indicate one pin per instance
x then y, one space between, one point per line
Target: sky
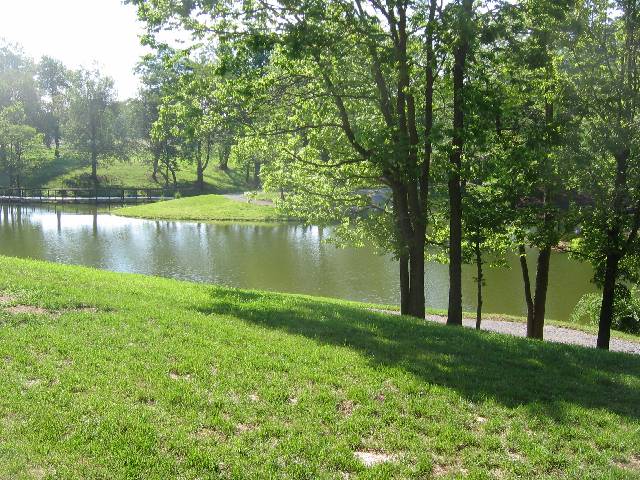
79 33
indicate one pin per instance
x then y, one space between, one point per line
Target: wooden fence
101 195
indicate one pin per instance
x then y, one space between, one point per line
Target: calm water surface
285 258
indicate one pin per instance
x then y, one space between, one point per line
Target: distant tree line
47 110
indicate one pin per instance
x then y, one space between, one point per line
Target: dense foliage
478 127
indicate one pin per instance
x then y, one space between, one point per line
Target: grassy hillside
202 208
71 172
109 375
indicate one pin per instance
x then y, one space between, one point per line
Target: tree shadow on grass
478 365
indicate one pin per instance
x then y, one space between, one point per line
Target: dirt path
551 333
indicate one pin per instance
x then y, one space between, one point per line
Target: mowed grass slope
109 375
203 208
69 172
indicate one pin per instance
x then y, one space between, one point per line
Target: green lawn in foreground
110 375
203 208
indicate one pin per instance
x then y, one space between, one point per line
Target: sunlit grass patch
156 378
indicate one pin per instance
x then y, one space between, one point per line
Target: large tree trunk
608 299
405 297
416 278
411 236
540 299
455 159
614 251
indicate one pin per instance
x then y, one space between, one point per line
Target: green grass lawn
203 208
108 375
69 172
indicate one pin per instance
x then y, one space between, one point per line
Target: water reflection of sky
291 258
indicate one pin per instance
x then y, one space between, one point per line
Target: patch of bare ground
346 408
632 464
444 469
81 309
34 310
370 458
206 433
175 375
5 298
28 310
38 472
245 427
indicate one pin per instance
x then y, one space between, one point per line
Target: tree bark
405 298
540 298
94 167
256 174
156 164
416 278
479 280
199 169
527 289
608 299
455 159
223 163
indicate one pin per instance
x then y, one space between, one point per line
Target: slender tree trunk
200 177
540 298
479 280
173 177
225 150
199 169
156 165
94 168
455 159
608 299
57 146
256 174
522 252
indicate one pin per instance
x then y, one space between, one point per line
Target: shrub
627 309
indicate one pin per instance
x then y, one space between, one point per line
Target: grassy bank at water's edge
70 172
125 376
203 208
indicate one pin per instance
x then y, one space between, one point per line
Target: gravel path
239 197
551 333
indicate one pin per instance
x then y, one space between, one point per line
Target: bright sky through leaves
79 33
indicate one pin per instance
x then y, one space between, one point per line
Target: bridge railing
93 194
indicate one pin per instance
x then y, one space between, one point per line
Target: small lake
282 257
